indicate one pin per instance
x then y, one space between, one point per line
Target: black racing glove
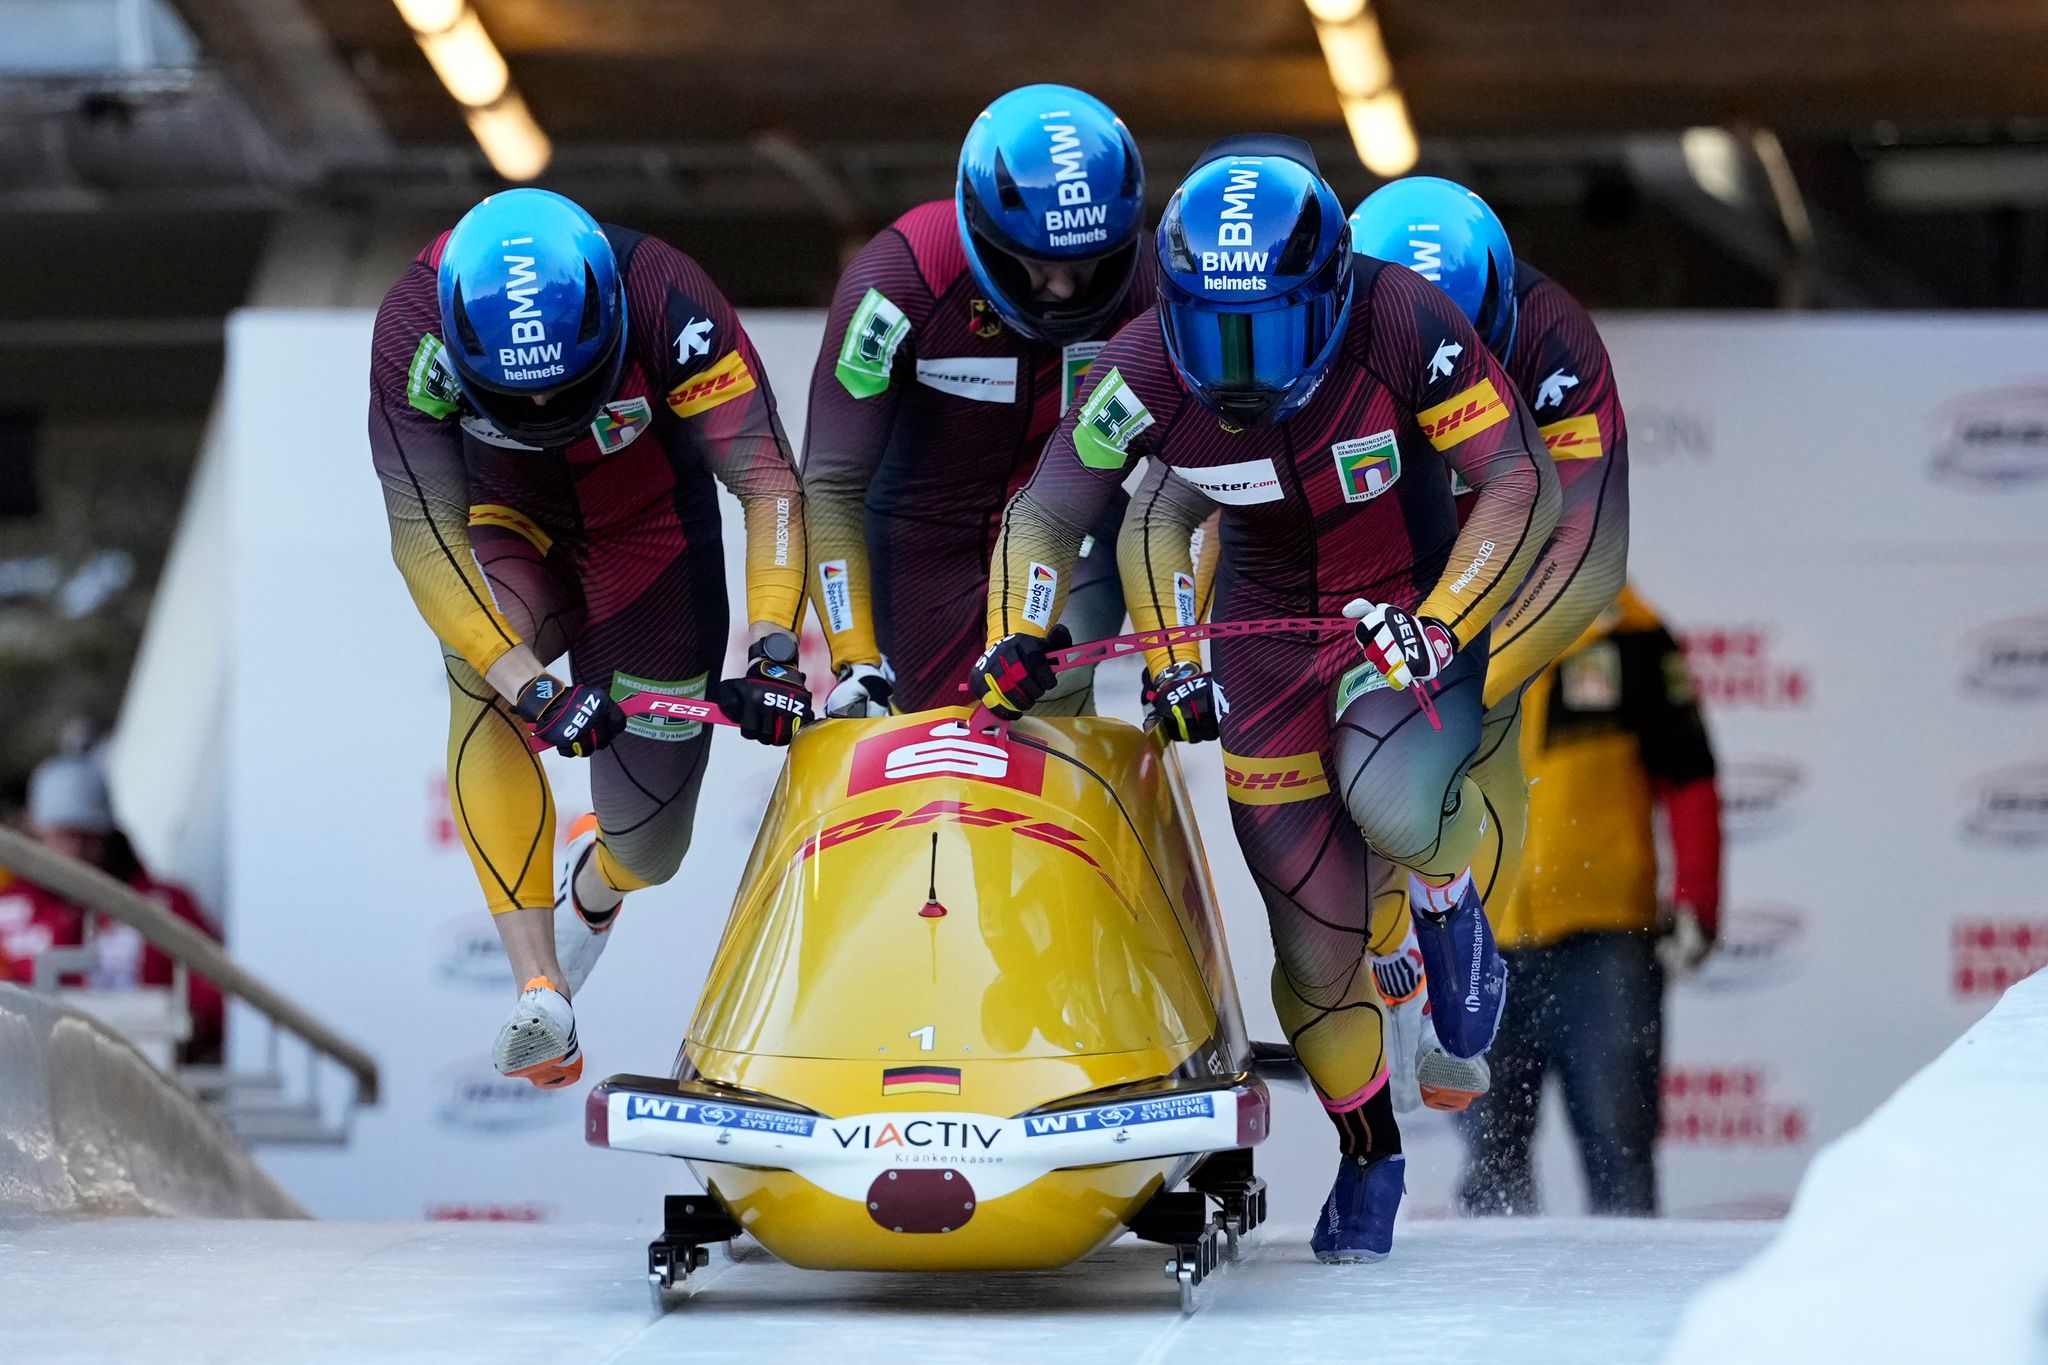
1014 672
1187 702
577 720
769 702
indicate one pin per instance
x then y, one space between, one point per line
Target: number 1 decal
927 1037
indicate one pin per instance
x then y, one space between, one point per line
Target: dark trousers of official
1590 1008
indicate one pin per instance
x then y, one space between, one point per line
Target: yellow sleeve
1156 556
416 448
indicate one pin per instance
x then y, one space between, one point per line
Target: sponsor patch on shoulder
877 329
1039 592
1110 419
1574 438
1463 415
720 383
430 383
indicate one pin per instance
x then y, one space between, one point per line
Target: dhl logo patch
1574 438
722 383
1463 415
511 519
1274 781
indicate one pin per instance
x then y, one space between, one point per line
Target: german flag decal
913 1080
1462 415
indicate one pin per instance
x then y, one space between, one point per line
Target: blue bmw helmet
1446 234
1256 287
1049 175
533 314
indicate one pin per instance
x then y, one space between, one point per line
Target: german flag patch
927 1080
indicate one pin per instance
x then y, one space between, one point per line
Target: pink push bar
658 705
1116 646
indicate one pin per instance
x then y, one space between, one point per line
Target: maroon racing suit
927 413
1329 770
608 547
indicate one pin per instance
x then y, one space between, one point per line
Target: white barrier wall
1843 516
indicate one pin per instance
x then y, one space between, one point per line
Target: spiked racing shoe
1468 981
538 1043
1446 1082
1357 1221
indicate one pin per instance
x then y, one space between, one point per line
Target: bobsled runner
972 1010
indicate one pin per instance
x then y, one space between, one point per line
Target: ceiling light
515 144
1357 57
1714 158
1336 11
1381 133
430 16
467 61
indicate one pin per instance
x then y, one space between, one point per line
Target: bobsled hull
973 1006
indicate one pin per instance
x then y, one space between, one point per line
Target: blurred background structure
165 161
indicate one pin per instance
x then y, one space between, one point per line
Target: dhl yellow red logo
512 519
1463 415
1574 438
1274 781
722 383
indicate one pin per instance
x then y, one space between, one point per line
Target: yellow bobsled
972 1011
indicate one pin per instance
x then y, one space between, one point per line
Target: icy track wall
1923 1234
88 1126
1800 485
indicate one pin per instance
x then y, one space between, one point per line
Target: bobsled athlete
1550 349
550 401
957 338
1322 401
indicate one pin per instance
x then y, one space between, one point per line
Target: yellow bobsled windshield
924 895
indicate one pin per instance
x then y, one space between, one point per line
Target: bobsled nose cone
921 1201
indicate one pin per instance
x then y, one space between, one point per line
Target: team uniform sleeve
725 410
1078 475
856 389
1586 560
1159 554
1425 351
416 447
1672 739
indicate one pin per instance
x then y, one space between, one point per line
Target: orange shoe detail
541 983
552 1075
581 826
1449 1100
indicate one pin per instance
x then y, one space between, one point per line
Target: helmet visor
1249 358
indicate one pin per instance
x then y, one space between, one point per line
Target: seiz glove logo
1404 648
778 700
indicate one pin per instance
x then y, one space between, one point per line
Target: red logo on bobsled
944 750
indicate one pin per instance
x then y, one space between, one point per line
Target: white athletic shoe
1405 994
538 1043
577 944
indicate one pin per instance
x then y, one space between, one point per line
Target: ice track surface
1488 1292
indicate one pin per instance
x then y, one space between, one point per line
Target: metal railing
191 950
